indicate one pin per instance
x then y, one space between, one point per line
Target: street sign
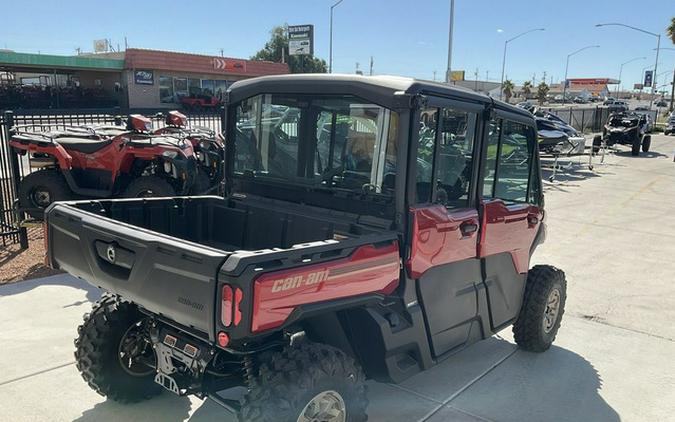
301 40
649 75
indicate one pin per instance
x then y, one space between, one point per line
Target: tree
508 89
671 30
527 89
272 51
542 92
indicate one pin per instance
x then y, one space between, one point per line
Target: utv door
511 212
445 224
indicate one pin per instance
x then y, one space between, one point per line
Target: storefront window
180 87
166 94
208 86
221 87
194 86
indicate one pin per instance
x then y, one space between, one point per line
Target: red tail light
226 307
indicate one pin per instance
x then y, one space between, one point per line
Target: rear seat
87 146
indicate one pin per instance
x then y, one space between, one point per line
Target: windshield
331 142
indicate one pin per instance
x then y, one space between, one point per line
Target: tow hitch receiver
180 365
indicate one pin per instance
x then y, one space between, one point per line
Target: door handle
468 227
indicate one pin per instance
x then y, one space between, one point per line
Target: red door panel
509 228
440 236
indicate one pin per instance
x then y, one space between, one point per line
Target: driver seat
87 146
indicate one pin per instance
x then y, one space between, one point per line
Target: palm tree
671 30
542 92
508 89
527 89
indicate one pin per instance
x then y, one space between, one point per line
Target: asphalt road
612 230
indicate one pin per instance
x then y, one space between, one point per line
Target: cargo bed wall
227 225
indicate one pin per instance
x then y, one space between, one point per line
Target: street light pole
621 71
501 84
567 65
452 24
330 49
672 87
658 47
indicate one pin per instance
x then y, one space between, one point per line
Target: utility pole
222 53
487 74
125 43
371 66
476 80
434 76
452 24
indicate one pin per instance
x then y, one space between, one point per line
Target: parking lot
611 229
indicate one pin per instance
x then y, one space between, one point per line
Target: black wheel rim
135 352
40 197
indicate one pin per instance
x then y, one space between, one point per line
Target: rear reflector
238 295
223 339
226 308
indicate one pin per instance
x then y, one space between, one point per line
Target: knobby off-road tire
288 381
97 349
532 331
149 186
646 143
39 189
635 147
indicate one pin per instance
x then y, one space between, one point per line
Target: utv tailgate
168 276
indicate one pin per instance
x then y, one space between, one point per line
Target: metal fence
587 119
14 167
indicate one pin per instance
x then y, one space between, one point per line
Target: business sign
456 75
301 40
638 86
233 65
101 46
649 75
144 77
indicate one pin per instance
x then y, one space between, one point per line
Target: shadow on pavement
166 408
650 154
558 385
92 293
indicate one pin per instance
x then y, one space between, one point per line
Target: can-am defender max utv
382 225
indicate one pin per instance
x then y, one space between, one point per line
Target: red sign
220 63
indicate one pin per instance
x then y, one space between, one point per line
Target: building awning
48 61
136 58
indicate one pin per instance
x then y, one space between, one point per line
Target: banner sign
649 75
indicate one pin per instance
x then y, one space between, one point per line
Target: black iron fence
587 119
14 167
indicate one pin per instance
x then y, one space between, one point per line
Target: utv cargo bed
168 255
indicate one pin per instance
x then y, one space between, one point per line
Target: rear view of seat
87 146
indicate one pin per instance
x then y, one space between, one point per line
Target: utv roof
379 89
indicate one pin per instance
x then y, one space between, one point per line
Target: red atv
198 101
85 162
208 146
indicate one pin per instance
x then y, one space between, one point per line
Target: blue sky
404 37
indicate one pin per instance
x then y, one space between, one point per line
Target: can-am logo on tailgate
296 281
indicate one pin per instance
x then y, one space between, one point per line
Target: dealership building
135 78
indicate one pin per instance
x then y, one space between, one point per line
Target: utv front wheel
635 147
542 309
308 382
646 143
113 352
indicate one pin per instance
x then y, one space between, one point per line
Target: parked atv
628 129
87 164
208 147
335 256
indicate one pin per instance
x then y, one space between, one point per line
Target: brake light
238 296
223 339
226 306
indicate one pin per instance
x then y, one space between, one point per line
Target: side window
493 133
455 157
425 153
514 163
509 162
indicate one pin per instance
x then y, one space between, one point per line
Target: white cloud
500 30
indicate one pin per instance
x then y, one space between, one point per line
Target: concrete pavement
611 230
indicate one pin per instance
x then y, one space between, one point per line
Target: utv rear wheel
39 189
113 353
646 143
147 187
542 309
308 382
635 147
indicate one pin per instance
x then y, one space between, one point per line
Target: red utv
83 163
198 101
208 147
